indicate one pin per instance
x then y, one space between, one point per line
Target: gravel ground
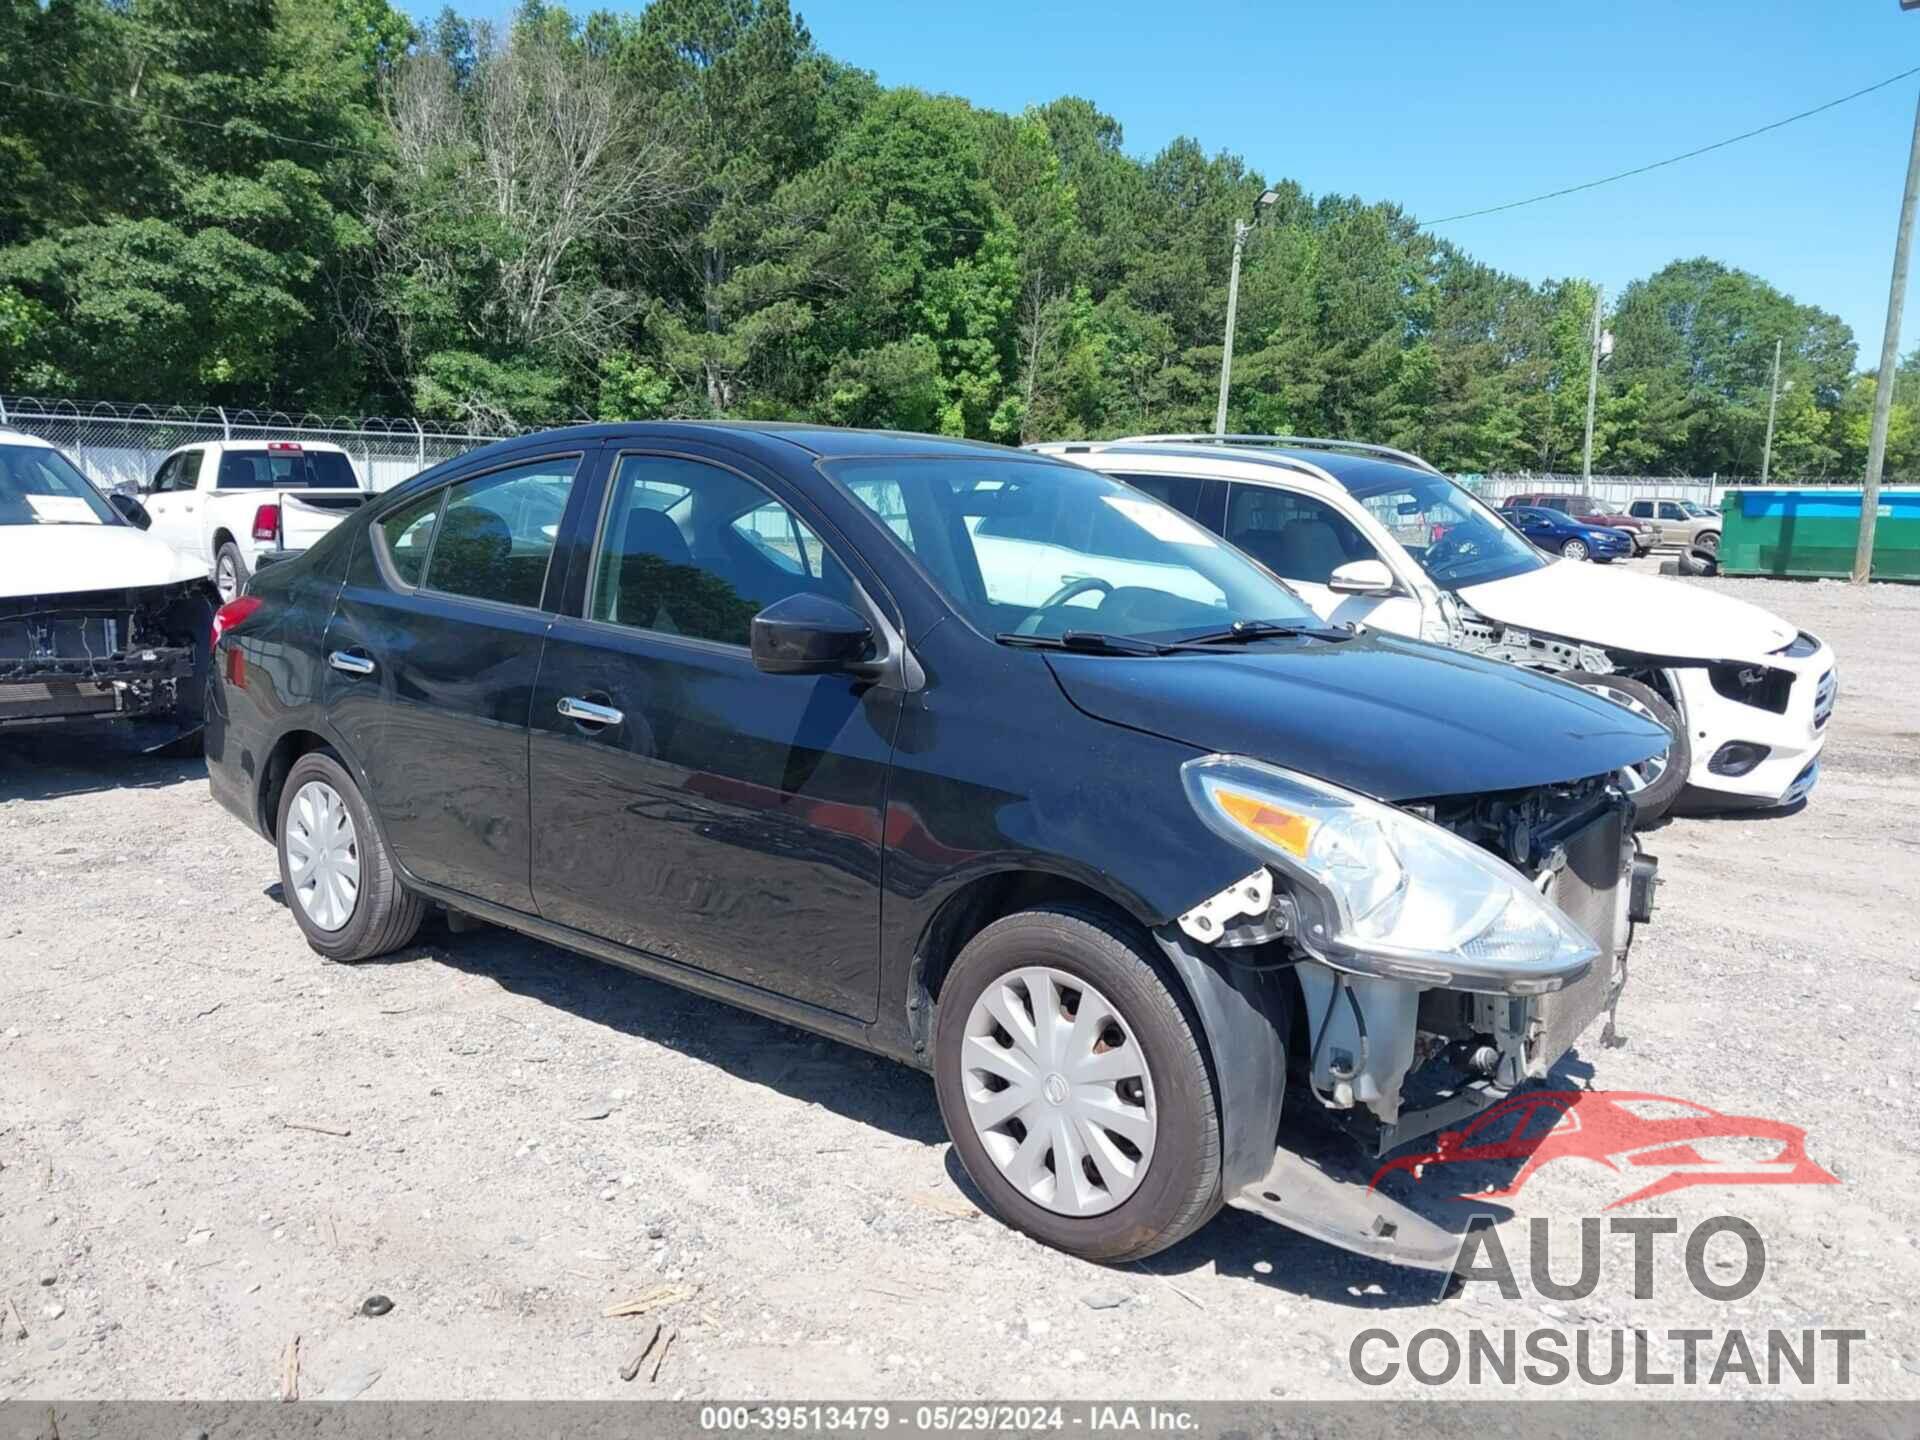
212 1143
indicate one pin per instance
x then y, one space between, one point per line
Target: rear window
265 469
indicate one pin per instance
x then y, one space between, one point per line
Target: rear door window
408 532
285 469
488 538
496 536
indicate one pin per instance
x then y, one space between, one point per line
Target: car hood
68 559
1619 610
1388 717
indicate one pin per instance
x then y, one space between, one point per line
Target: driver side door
685 803
174 504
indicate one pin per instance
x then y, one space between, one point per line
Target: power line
227 127
1674 159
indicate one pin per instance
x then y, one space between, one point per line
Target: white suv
1376 536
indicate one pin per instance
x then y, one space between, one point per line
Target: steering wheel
1446 550
1031 625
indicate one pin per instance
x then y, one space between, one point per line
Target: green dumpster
1813 533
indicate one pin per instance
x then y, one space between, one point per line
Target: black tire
1180 1190
229 554
385 915
1652 802
1576 549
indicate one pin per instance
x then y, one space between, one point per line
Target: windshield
1447 529
39 486
1032 547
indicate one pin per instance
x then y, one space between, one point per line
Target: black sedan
986 762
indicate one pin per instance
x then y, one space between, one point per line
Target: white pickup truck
234 505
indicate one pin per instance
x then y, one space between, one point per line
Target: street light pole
1773 404
1241 229
1889 365
1593 387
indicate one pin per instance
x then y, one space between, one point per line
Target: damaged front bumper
110 655
1388 1060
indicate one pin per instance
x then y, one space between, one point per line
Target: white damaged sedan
99 622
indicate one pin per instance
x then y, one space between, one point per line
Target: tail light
266 522
232 615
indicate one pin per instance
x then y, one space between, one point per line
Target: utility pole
1240 232
1241 229
1773 404
1889 365
1593 387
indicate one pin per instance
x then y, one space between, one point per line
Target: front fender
1246 1015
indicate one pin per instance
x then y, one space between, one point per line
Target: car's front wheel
1071 1076
1575 549
1655 783
338 879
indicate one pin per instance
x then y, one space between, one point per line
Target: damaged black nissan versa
98 621
986 762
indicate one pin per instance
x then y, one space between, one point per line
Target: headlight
1397 896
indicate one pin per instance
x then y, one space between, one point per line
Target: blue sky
1450 107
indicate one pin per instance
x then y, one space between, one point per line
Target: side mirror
1362 577
131 510
810 635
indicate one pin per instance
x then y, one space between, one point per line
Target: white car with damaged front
1377 537
99 621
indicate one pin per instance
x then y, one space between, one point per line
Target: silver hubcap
1575 550
1058 1091
1635 778
323 855
225 579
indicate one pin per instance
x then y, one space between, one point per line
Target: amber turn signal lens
1279 827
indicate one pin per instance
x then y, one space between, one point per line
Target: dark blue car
1563 535
986 762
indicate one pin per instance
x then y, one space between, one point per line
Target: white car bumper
1760 744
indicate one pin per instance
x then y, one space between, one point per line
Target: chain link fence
1621 491
124 444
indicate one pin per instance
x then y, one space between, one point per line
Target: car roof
1298 467
824 441
9 436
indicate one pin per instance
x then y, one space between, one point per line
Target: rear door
432 655
684 803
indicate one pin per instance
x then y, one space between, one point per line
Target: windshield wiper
1243 631
1091 642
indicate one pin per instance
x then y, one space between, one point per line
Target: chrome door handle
349 663
588 713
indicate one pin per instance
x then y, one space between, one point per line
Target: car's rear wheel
1575 549
1071 1076
338 879
229 572
1653 785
